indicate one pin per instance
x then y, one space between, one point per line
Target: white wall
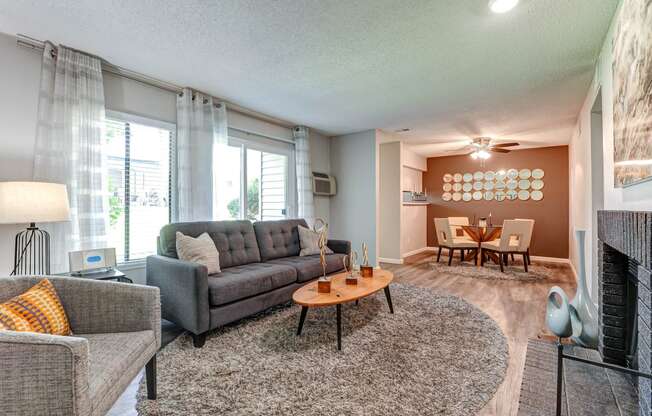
389 201
635 198
353 209
19 82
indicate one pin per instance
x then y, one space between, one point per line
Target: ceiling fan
480 147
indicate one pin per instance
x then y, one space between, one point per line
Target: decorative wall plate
500 196
477 195
538 173
466 196
537 184
457 177
458 196
501 175
524 184
524 174
448 177
447 187
446 196
511 195
512 184
457 187
523 195
467 177
488 186
467 187
478 176
500 185
488 196
536 195
512 174
489 175
477 186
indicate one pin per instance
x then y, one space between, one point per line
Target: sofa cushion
248 280
234 240
278 238
309 267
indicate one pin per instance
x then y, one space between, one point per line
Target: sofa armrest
340 246
184 291
43 374
98 307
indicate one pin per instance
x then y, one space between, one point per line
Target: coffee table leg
339 327
302 319
389 299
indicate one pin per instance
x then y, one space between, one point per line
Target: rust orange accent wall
550 238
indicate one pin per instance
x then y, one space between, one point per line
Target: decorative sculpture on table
351 276
324 283
578 318
366 270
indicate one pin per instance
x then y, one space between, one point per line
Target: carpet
436 355
514 271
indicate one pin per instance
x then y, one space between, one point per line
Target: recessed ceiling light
502 6
401 130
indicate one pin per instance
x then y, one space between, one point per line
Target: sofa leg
150 376
198 340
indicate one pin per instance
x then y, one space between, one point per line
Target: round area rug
513 271
436 355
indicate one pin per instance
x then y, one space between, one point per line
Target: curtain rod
39 45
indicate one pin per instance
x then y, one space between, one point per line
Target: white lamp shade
27 202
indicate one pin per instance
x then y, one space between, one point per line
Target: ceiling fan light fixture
474 155
502 6
483 154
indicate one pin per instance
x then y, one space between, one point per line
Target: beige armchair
446 238
514 239
116 332
456 224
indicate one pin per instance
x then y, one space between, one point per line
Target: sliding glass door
253 180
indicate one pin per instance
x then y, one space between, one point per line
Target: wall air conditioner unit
323 184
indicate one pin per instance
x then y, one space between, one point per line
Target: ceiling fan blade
505 144
499 150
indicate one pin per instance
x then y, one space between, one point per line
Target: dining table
480 234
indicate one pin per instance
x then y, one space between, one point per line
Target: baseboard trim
417 251
390 261
551 259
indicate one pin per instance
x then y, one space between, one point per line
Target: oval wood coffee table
308 297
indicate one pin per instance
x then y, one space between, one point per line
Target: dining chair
514 239
456 224
529 262
446 238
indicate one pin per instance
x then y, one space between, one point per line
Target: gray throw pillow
309 241
200 250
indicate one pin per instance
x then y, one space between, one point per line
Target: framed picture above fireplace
632 78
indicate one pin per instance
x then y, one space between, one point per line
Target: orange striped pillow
37 310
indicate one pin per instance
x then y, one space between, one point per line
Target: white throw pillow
200 250
309 241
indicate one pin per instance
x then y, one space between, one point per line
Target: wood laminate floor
517 306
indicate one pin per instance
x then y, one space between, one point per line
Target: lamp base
32 252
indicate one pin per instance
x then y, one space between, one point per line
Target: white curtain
69 148
305 202
201 131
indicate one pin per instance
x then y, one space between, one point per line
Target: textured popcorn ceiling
447 69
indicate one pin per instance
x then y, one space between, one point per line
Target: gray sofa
116 332
261 267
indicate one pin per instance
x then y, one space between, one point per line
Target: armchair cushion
39 309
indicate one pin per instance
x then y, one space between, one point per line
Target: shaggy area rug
436 355
514 271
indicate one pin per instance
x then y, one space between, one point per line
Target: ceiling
446 69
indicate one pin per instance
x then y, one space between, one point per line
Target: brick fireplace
625 287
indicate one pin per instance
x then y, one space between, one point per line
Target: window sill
132 265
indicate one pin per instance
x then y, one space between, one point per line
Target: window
252 178
140 152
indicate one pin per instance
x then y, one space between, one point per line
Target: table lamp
31 203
